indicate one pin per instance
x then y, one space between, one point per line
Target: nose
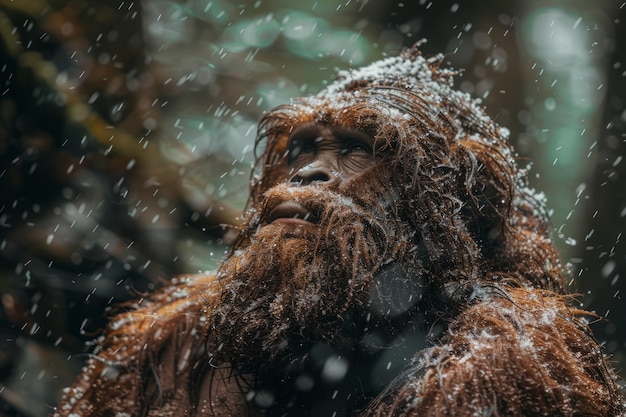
314 173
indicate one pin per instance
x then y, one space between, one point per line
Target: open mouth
292 213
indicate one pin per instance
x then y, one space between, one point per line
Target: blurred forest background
126 131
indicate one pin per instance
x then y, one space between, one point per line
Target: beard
288 285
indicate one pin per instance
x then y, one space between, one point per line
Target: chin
295 282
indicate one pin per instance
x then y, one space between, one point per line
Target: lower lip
293 220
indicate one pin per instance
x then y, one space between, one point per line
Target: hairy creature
393 262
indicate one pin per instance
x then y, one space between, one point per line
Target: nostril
310 175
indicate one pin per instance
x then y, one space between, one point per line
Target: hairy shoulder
148 349
520 352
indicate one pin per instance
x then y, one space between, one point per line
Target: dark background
126 131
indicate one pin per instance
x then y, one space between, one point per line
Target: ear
504 217
485 186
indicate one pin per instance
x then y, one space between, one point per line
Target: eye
300 147
307 148
356 147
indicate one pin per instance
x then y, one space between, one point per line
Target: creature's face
324 158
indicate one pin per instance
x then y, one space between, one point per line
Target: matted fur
440 242
520 354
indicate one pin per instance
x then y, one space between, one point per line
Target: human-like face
323 156
328 155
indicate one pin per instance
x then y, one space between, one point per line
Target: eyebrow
309 129
352 133
317 129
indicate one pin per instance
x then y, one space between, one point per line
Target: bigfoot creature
393 262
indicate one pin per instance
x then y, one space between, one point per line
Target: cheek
372 186
356 163
272 176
